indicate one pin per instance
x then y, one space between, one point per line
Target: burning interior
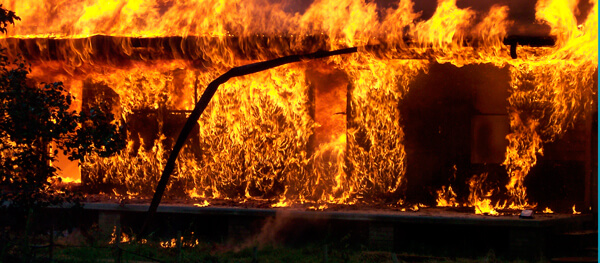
462 104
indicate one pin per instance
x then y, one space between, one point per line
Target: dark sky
522 12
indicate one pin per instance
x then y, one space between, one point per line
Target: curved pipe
201 105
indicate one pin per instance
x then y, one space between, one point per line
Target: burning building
471 103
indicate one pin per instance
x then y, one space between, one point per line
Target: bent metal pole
203 103
192 120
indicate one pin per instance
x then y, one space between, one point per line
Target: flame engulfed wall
332 134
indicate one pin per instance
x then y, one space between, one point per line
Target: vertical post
588 162
594 163
28 226
118 251
350 124
196 89
312 143
325 254
179 246
51 245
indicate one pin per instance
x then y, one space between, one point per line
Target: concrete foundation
429 231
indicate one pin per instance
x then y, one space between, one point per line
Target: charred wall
455 120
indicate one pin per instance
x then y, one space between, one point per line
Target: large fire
324 131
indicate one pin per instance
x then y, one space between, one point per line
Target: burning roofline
114 48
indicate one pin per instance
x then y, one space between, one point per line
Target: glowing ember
281 203
203 204
69 180
169 243
184 243
548 211
318 208
417 207
479 197
446 197
193 194
123 239
575 211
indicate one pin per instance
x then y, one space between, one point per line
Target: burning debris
296 134
446 197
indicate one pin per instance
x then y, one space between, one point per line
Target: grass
75 248
267 254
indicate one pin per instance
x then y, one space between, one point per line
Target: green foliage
36 122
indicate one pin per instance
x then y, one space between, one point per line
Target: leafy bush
36 122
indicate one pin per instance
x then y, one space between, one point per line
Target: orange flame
184 243
547 210
479 197
575 211
446 197
124 238
203 204
552 92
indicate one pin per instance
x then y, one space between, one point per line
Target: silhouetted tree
36 122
